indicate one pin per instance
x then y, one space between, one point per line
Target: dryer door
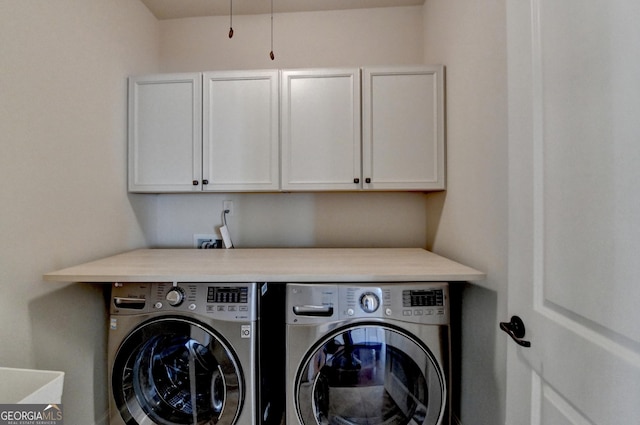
370 375
175 370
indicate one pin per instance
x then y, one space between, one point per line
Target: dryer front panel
370 374
176 370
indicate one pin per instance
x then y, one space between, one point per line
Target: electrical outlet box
206 241
227 206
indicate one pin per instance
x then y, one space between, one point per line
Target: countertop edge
265 278
268 265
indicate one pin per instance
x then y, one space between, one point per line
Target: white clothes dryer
368 354
183 353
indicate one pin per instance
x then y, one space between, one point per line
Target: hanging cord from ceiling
271 55
230 18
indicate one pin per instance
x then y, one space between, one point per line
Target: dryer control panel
415 302
425 303
222 301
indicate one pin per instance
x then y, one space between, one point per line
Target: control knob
175 297
369 302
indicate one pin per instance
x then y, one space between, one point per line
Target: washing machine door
175 370
370 375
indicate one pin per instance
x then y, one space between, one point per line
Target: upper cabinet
165 133
321 129
402 142
292 130
403 128
216 131
240 150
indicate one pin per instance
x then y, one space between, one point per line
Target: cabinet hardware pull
205 181
195 182
367 180
356 180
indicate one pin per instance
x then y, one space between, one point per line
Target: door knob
515 329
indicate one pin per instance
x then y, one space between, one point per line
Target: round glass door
174 371
370 375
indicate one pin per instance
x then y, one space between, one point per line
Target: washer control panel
415 302
410 302
222 301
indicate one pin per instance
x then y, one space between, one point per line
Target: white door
574 211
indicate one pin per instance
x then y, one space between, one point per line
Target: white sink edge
30 386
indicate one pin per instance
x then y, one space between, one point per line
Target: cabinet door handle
367 180
356 180
196 182
205 181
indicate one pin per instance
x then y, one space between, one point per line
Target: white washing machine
367 354
183 353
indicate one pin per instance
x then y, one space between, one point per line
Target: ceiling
172 9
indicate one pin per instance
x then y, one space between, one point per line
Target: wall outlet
206 241
227 206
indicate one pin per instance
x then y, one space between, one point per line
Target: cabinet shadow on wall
434 205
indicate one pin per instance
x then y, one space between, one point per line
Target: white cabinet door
403 128
240 131
165 133
321 129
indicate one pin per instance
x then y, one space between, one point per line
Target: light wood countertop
270 265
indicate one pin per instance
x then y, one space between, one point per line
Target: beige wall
63 166
307 39
316 39
63 200
468 222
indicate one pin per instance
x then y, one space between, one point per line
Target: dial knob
175 297
369 302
